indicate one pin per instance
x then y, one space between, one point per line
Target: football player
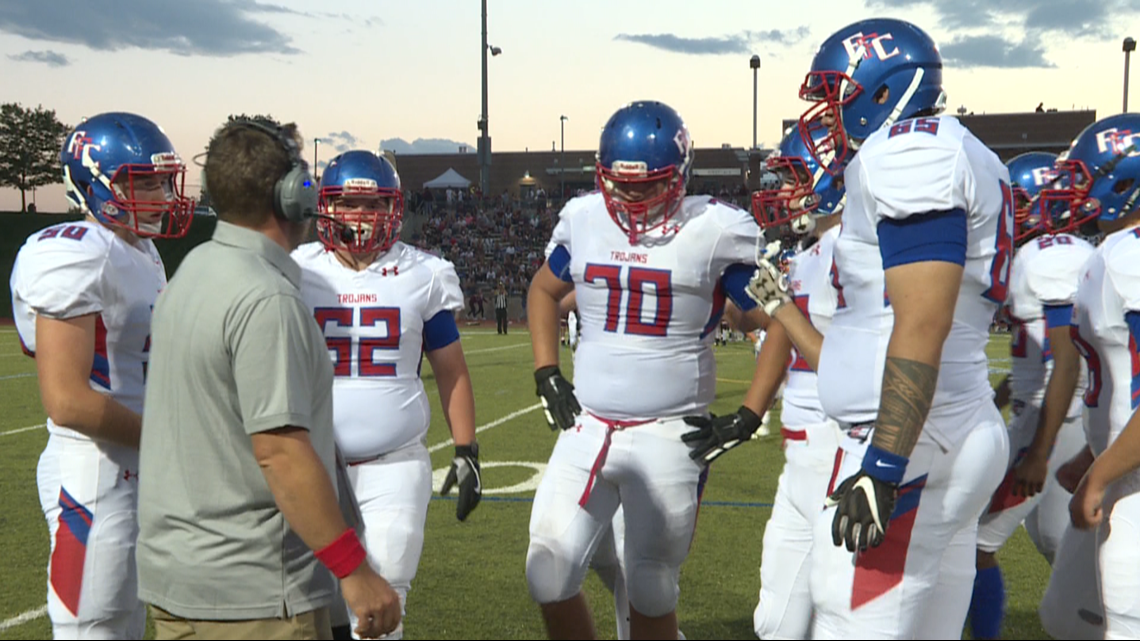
650 268
921 265
1100 181
1045 429
382 306
811 200
82 294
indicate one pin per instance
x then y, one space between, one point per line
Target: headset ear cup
296 195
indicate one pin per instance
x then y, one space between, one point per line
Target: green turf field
471 581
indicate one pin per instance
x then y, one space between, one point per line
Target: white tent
448 179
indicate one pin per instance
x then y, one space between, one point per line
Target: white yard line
21 619
24 429
495 423
495 349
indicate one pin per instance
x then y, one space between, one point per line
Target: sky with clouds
406 75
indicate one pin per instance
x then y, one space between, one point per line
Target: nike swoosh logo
882 464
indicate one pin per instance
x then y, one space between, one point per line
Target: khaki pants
308 625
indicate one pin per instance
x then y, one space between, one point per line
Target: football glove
865 505
718 434
557 394
465 472
768 287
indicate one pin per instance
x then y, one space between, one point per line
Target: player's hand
557 394
1070 473
769 287
718 434
1029 473
864 511
1086 507
465 471
373 601
771 251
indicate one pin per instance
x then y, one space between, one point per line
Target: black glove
557 394
719 434
865 507
465 471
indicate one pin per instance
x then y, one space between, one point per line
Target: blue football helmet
361 204
121 169
645 157
1029 173
803 187
866 76
1098 177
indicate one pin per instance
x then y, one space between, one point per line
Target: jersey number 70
636 278
342 346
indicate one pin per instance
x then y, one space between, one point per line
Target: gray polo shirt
234 352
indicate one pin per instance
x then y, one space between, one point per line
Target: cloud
1080 18
740 43
253 6
49 58
197 27
994 51
341 141
425 146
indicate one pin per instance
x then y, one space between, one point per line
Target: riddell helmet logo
1118 141
869 46
359 184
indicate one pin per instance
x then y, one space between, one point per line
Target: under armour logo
395 271
127 475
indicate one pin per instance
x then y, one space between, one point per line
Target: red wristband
343 555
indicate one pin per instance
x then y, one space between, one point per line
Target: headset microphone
344 230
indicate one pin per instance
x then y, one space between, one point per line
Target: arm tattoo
908 388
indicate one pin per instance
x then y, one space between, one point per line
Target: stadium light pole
1128 47
316 146
562 162
755 64
484 138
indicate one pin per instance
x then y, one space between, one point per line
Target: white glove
769 287
771 250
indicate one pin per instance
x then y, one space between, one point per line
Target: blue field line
526 499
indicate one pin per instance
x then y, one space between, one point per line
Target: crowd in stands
498 240
488 246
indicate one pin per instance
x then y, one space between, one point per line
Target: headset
295 194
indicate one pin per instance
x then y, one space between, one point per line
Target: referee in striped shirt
501 310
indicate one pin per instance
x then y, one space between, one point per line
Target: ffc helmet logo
869 46
1118 141
682 140
79 143
1044 176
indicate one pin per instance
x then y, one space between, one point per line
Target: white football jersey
79 268
373 321
1109 289
916 166
648 311
809 277
1046 271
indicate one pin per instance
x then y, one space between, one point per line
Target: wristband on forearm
884 466
343 555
